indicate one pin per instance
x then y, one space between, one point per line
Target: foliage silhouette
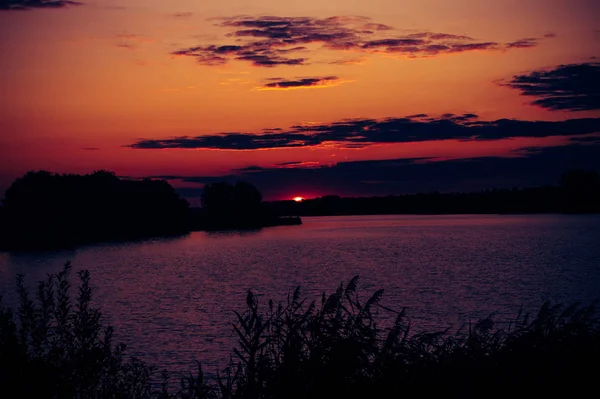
226 206
225 197
55 347
43 209
578 192
581 191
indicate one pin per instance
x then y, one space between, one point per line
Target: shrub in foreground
56 347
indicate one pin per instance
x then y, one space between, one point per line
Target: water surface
171 300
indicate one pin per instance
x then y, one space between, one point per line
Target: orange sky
102 75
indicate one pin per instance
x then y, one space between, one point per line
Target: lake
172 300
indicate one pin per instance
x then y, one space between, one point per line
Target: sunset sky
304 98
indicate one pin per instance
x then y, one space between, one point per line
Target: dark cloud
358 133
298 164
127 46
529 42
8 5
182 14
393 43
523 43
349 61
574 87
258 55
588 139
298 83
163 177
250 169
462 47
446 36
532 167
269 60
90 148
201 56
268 41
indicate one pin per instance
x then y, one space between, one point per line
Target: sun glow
298 199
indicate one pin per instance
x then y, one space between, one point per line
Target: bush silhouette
55 346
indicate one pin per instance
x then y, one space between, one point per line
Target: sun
298 199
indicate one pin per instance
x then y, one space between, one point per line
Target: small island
44 210
237 206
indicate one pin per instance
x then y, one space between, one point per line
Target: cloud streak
15 5
182 14
532 167
357 133
272 41
302 83
523 43
573 87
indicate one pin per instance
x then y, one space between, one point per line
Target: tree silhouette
580 190
233 206
43 208
245 195
223 196
217 196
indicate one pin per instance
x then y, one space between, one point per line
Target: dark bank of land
55 345
44 210
234 206
577 192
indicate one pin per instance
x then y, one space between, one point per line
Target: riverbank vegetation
578 191
234 206
54 345
43 210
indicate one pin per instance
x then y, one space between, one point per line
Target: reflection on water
233 233
172 299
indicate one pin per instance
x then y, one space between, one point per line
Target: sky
308 98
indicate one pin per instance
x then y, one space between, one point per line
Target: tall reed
55 346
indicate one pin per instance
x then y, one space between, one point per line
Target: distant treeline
578 192
49 210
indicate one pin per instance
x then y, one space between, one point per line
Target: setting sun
298 199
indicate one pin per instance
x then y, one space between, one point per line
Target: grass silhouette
55 346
